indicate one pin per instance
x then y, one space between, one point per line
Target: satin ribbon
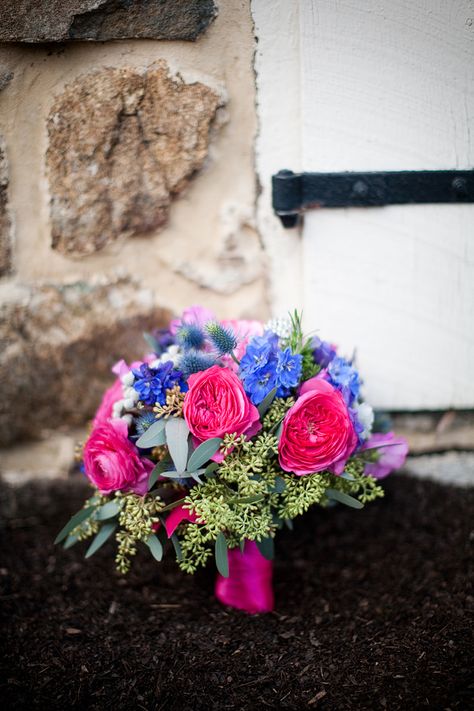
249 585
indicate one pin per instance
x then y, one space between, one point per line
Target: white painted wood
278 143
390 86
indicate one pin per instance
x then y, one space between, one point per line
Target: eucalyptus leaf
78 518
203 453
280 485
154 436
347 476
177 440
152 342
266 402
70 541
266 547
157 472
343 498
177 547
242 545
108 510
104 533
155 547
289 523
195 476
222 559
279 431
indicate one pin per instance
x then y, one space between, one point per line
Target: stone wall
127 189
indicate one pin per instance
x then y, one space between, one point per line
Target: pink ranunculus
111 396
113 463
392 454
216 404
317 431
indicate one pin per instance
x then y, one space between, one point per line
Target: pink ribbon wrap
249 585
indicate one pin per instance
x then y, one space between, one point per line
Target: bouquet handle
249 585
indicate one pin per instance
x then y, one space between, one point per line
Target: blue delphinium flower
193 361
223 339
151 384
288 371
345 378
265 366
323 352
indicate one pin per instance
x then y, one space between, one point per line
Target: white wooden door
389 86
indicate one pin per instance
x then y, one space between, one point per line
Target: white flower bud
127 379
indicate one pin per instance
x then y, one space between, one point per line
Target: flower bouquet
221 436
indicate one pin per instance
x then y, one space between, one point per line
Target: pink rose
113 463
392 454
216 404
317 431
111 396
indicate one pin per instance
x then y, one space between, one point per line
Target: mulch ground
372 613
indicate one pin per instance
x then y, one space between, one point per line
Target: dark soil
372 613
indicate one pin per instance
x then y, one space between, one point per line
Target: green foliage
298 343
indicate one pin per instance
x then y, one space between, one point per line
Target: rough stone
121 145
57 345
5 221
99 20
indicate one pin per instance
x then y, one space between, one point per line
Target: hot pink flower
392 454
317 431
216 404
113 463
111 396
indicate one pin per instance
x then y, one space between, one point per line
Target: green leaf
104 533
347 476
157 472
152 342
222 559
203 453
266 547
108 510
343 498
177 548
279 486
154 435
78 518
155 547
289 523
70 541
266 402
279 431
177 440
242 545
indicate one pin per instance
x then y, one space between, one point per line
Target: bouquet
221 436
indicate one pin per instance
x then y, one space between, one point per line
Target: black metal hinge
295 192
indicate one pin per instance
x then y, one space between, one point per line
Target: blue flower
288 369
260 351
190 336
144 422
323 352
194 361
223 339
259 383
265 366
151 384
345 378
